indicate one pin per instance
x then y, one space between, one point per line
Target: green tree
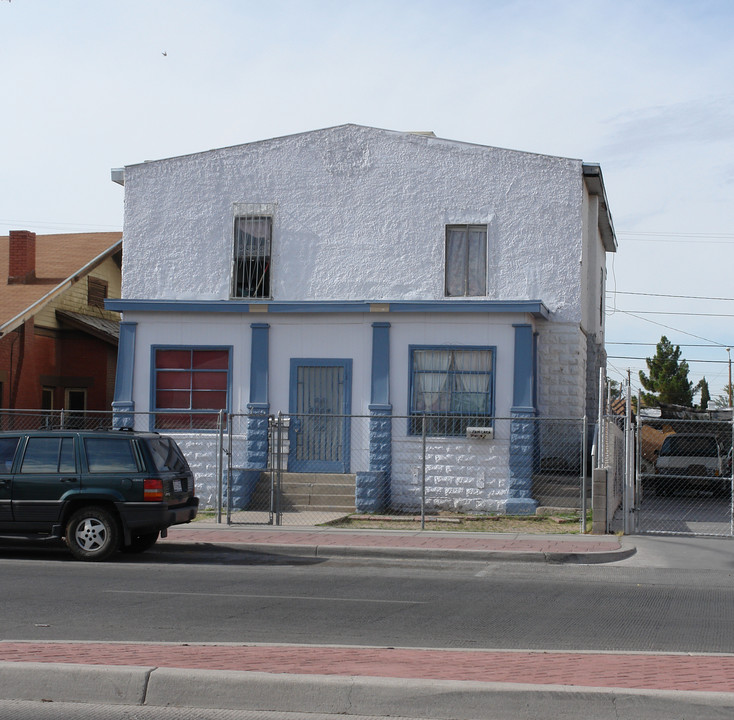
703 386
722 401
668 379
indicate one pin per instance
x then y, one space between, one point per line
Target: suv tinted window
111 455
8 446
166 455
49 455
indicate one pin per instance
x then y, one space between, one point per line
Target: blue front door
320 403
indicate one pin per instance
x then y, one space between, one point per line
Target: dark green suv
101 491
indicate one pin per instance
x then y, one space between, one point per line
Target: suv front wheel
92 533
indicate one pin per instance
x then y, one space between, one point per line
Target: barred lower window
466 260
451 389
252 255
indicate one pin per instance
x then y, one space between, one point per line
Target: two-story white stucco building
359 271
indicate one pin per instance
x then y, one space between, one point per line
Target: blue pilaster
372 491
523 426
259 407
123 405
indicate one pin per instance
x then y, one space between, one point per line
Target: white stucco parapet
359 213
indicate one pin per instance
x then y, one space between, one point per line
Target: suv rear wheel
92 533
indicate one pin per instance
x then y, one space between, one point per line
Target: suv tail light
152 489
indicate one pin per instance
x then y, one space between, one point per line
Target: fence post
584 433
628 470
601 440
229 469
278 470
220 465
731 483
423 474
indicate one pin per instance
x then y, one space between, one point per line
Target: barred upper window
452 387
252 255
466 260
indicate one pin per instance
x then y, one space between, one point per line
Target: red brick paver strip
703 673
377 540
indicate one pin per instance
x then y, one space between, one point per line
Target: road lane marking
265 597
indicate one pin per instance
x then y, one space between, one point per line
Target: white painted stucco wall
360 214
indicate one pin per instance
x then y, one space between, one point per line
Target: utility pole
728 352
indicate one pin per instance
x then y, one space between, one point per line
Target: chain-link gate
683 480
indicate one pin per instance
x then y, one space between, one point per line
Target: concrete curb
411 553
344 695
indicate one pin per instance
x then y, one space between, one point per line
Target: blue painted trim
346 411
152 404
534 307
380 390
524 370
125 363
259 363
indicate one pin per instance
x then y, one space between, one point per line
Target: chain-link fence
684 477
309 469
314 469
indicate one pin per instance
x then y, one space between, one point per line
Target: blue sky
642 87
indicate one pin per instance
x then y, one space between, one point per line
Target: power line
44 224
626 357
663 295
658 233
670 312
653 344
668 327
677 238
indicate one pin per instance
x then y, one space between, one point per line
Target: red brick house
58 345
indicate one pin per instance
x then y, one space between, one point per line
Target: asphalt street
652 628
203 597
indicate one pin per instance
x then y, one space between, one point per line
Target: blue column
123 404
244 480
372 492
259 407
523 426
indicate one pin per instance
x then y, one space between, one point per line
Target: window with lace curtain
451 388
466 260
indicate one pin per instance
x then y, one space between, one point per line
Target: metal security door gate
683 478
320 402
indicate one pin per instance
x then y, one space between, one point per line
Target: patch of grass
539 524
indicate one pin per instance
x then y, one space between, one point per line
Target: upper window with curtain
451 389
466 260
253 236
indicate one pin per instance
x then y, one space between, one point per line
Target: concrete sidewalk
327 542
425 683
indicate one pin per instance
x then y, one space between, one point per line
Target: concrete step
326 492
